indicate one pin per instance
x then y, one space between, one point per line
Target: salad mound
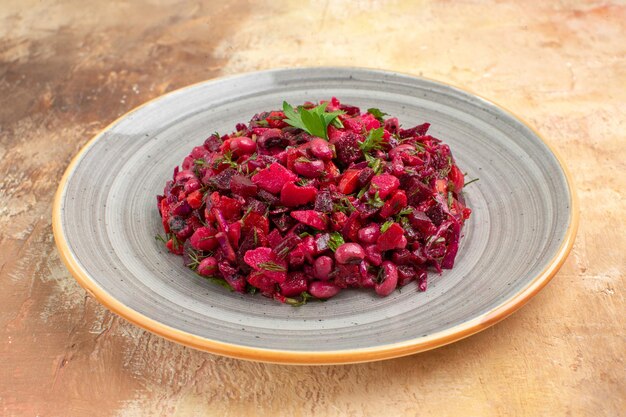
301 203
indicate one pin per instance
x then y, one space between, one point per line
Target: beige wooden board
68 69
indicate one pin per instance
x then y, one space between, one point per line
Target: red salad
302 203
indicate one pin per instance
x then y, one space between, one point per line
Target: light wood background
69 68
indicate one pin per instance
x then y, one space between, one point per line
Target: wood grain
67 70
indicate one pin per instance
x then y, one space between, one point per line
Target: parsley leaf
335 241
314 121
373 140
379 115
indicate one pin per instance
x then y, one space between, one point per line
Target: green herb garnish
335 241
344 205
373 140
379 115
469 182
376 201
314 121
226 158
401 216
218 281
305 296
376 164
272 266
386 226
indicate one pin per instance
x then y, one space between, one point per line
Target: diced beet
384 185
354 124
195 199
292 196
295 284
422 223
400 149
273 178
365 176
286 245
391 238
283 221
311 218
268 197
184 176
234 234
265 260
181 208
394 205
406 274
323 201
230 208
259 280
347 147
349 181
222 180
174 247
309 248
274 238
436 214
419 130
403 257
213 143
243 186
204 239
337 220
230 275
296 258
416 190
254 219
346 275
257 256
192 185
255 206
351 227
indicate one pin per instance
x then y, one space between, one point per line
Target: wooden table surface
67 69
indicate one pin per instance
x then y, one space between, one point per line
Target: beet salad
302 203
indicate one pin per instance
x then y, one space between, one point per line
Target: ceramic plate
522 227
